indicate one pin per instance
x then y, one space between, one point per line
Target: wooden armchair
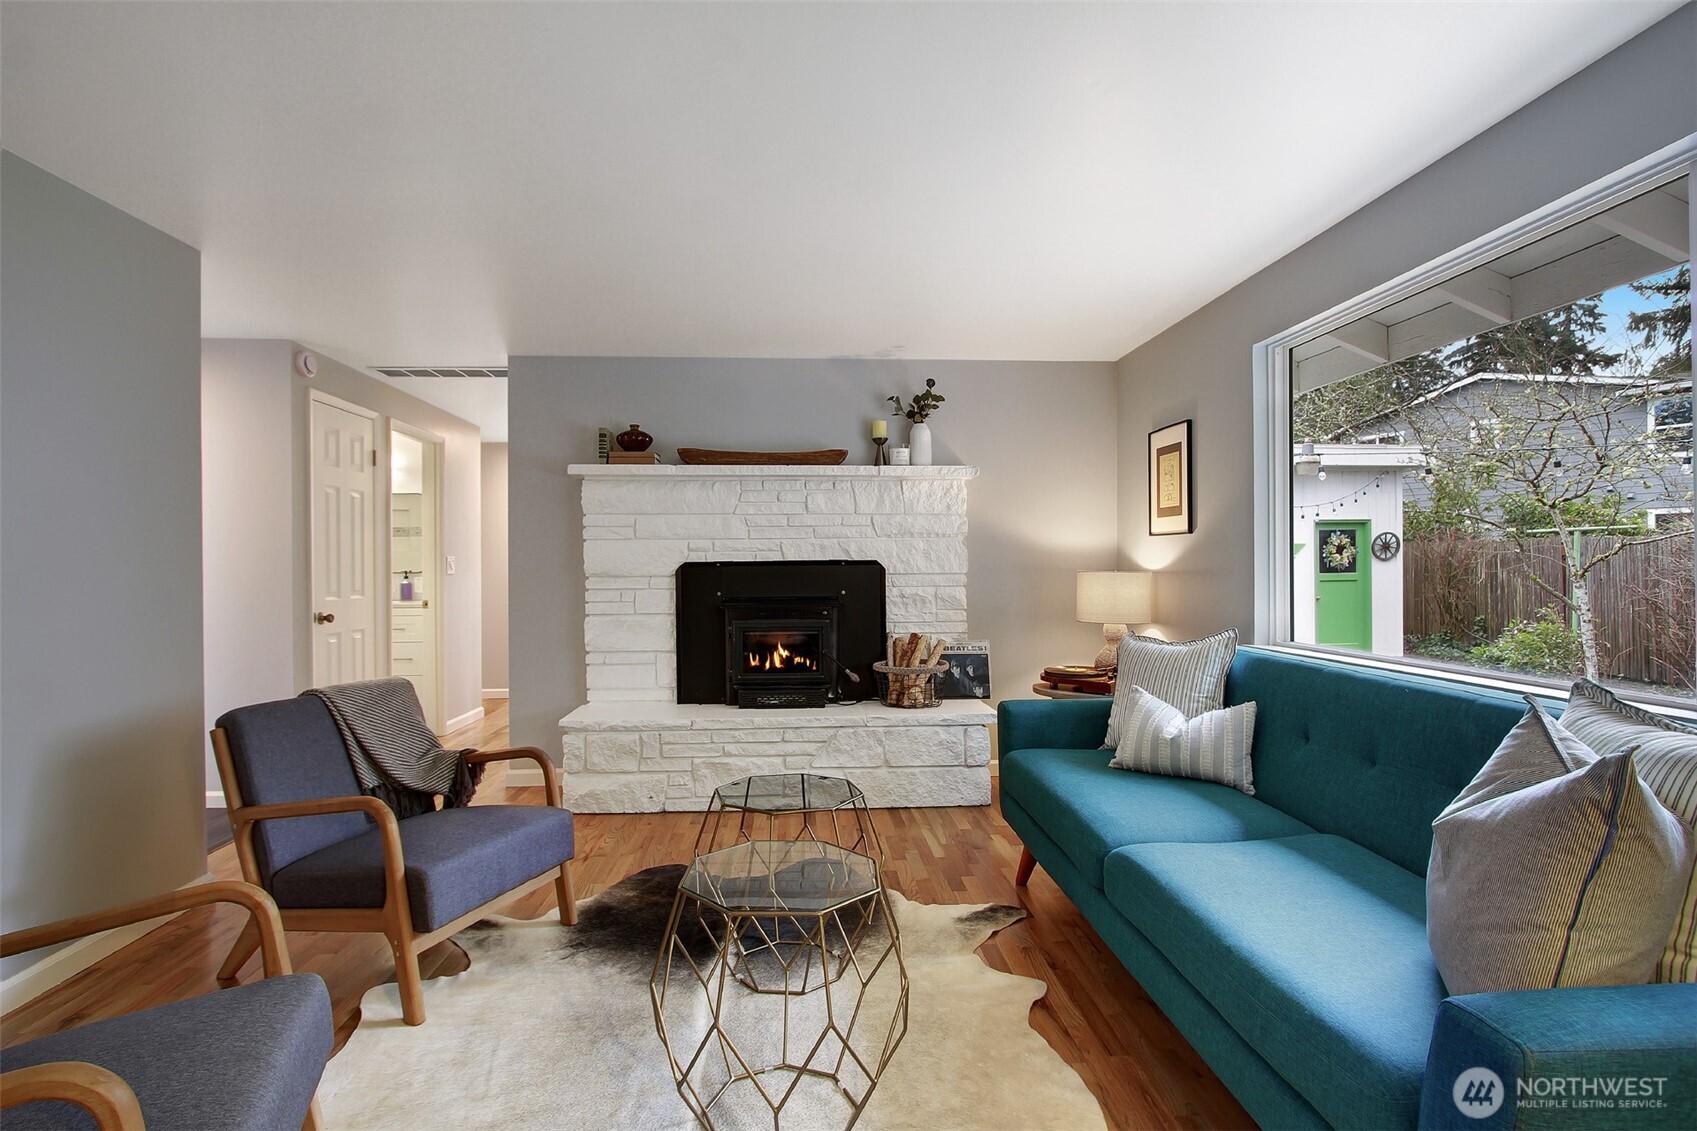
192 1063
335 859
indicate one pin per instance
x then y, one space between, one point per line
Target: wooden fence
1644 598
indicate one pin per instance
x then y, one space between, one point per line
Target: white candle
880 429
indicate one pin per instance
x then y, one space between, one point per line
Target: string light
1333 506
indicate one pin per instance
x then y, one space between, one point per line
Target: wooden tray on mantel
714 456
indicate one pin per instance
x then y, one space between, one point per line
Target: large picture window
1495 472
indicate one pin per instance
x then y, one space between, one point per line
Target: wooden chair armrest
550 774
394 862
314 807
257 903
101 1093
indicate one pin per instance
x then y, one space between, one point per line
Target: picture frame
968 676
1170 499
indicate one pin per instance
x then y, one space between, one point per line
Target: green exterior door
1343 585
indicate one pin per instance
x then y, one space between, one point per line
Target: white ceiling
447 184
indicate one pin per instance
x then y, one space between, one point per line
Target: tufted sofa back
1372 756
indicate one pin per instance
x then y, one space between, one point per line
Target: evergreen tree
1564 341
1669 327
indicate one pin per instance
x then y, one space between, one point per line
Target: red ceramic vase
634 439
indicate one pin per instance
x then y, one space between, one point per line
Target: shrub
1546 646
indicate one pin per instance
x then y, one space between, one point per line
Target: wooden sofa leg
407 978
563 889
1027 862
246 943
314 1117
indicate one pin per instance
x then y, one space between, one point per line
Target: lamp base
1109 657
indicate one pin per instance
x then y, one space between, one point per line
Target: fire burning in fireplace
780 652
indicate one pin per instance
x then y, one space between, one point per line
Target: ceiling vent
414 371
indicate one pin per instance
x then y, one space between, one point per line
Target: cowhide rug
553 1027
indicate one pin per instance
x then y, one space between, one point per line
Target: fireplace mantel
642 521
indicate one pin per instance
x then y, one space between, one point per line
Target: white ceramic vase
919 439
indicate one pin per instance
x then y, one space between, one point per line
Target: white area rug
552 1027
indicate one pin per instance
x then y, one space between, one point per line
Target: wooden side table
1048 692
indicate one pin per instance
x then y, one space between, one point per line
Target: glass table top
804 877
787 793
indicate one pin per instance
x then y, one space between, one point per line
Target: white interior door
344 563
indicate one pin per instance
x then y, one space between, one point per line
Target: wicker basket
908 687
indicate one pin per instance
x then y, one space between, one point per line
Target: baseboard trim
215 799
495 693
72 959
524 773
459 721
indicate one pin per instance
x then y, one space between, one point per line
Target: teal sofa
1284 934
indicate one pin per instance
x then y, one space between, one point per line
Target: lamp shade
1115 597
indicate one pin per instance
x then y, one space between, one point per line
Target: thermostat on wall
306 364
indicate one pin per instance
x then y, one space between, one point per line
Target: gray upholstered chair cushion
290 750
456 859
243 1059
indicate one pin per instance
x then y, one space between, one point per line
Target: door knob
324 618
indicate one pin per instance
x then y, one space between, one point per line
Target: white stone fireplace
634 748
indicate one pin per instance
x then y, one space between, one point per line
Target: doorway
415 564
1343 585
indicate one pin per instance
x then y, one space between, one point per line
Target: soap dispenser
406 585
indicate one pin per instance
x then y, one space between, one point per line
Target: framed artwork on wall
1169 480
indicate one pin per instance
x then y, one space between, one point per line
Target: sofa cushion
242 1059
456 860
1090 809
1312 947
1367 755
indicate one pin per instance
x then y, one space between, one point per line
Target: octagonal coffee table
780 981
799 806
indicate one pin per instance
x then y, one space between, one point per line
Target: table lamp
1113 599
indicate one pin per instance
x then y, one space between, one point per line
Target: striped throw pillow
1189 674
1666 754
1157 738
1554 867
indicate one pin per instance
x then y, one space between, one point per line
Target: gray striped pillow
1189 674
1554 867
1666 755
1157 738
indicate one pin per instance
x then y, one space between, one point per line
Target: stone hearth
619 759
633 748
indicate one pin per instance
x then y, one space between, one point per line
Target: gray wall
248 501
258 524
100 700
494 566
1632 102
1043 433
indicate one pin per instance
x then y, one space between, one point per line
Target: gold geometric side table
780 982
788 807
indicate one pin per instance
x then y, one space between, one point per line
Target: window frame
1272 372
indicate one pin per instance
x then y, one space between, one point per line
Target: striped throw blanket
395 755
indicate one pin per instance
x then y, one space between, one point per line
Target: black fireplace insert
778 634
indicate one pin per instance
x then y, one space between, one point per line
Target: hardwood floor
1094 1015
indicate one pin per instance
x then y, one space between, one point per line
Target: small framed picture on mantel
1169 480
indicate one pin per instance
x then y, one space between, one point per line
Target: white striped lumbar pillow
1666 756
1157 738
